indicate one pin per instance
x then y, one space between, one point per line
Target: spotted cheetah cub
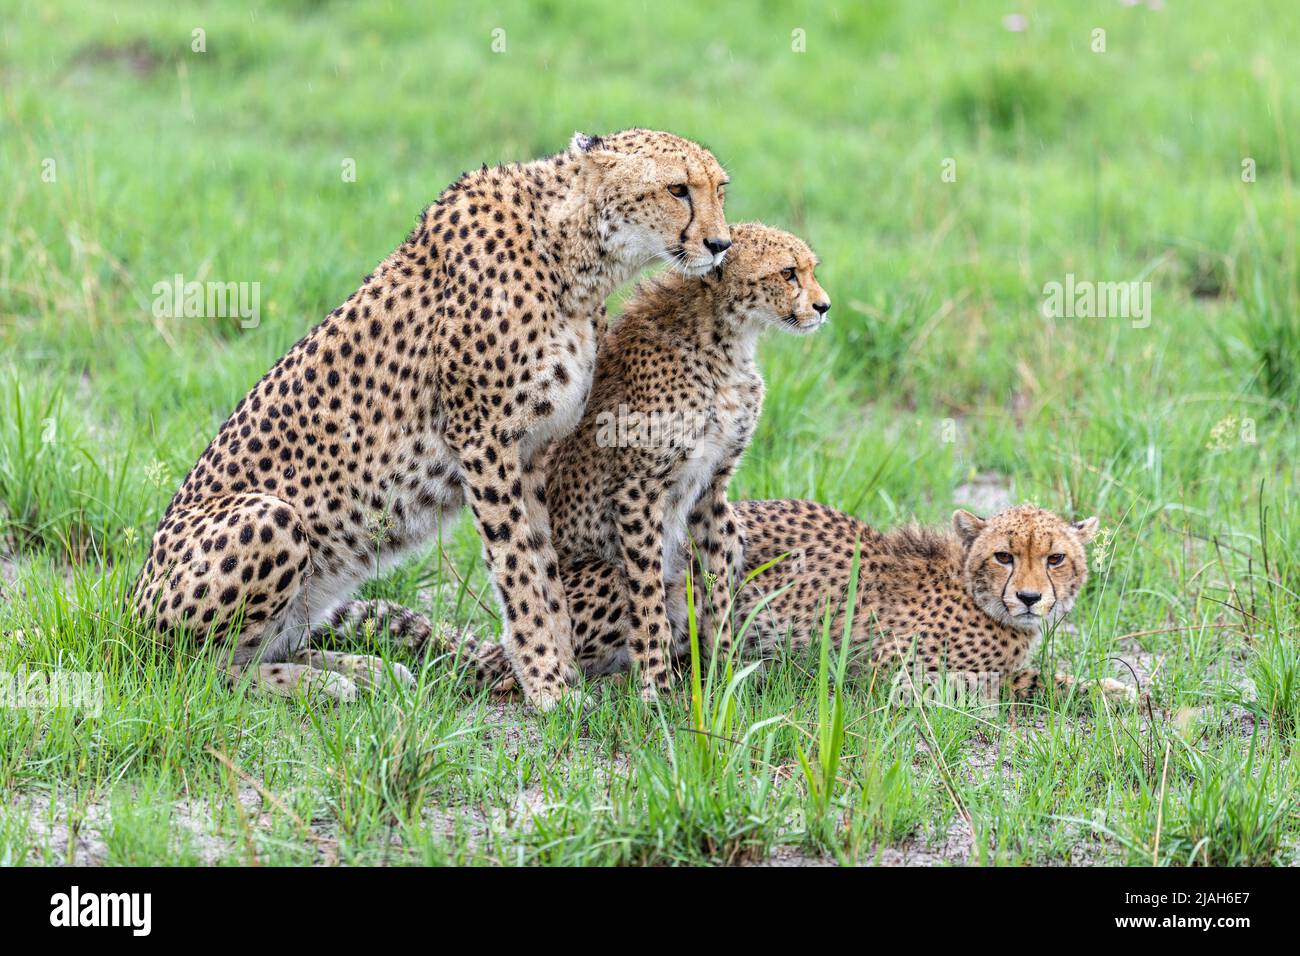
974 599
641 484
438 383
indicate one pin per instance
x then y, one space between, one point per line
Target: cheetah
438 383
676 396
974 599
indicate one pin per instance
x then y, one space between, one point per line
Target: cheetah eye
788 274
1003 557
679 190
1054 560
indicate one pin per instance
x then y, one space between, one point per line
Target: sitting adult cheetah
438 382
974 600
676 396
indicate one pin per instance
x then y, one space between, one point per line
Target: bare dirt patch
985 494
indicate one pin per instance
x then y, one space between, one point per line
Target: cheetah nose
717 245
1028 598
822 307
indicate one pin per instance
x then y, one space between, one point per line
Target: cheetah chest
712 439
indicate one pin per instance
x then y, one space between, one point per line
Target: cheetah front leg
1028 681
539 519
640 505
514 530
717 537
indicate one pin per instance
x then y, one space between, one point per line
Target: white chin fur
1002 614
805 329
636 249
692 269
1034 623
632 246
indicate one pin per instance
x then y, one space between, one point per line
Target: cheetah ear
1085 529
967 526
584 143
593 149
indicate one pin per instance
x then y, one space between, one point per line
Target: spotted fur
439 382
679 372
973 599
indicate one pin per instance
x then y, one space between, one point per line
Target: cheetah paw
652 691
545 699
563 697
374 672
328 684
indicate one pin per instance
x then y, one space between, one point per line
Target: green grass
938 366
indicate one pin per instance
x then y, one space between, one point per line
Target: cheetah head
1024 566
659 197
769 275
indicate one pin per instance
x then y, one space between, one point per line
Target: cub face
1024 566
661 198
769 274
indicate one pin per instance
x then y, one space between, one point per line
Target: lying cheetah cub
974 599
674 402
